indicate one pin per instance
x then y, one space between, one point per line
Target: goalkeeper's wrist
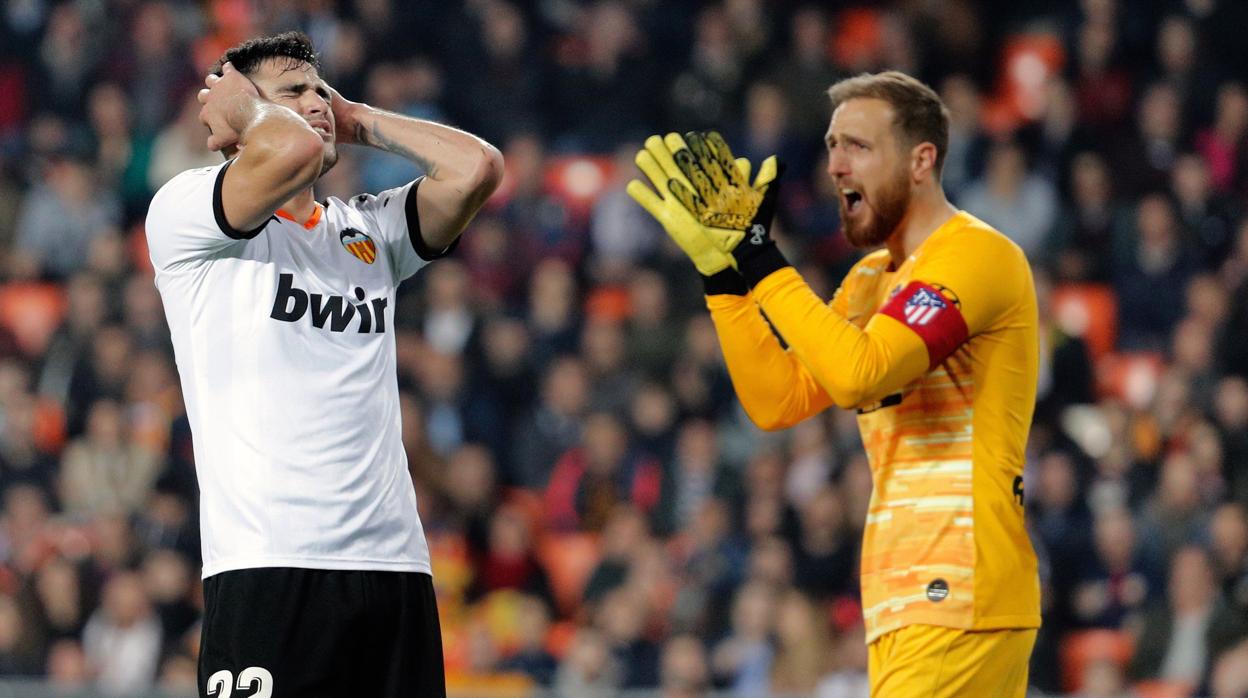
724 282
757 262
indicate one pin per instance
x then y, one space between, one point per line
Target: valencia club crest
359 244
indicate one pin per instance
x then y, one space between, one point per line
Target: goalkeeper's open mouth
853 200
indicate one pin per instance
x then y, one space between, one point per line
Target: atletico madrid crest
359 244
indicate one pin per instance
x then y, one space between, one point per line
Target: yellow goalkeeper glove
736 216
677 207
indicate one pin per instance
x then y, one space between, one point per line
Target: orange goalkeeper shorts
926 661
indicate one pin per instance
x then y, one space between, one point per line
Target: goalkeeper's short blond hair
919 114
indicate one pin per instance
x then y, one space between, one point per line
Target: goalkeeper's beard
891 202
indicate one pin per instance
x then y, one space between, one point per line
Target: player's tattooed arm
461 170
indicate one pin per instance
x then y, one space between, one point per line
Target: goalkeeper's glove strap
759 262
725 282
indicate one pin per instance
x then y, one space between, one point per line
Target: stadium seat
49 426
569 559
1130 376
32 312
559 638
1080 648
136 248
578 180
1089 311
1159 688
1028 62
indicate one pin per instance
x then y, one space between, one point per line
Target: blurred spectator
121 155
1174 516
18 655
1117 581
766 129
1083 234
1179 62
705 94
1230 408
1180 642
806 73
57 602
621 617
540 224
849 676
1142 157
503 98
968 145
153 66
181 145
600 87
508 560
531 657
1222 144
554 425
1228 542
611 378
604 470
683 670
825 559
68 669
468 484
621 232
803 648
1207 215
59 219
711 565
1150 271
1102 83
68 56
696 475
1022 205
168 581
742 659
455 413
105 472
413 89
1230 673
123 638
21 458
653 421
588 667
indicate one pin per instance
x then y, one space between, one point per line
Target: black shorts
286 632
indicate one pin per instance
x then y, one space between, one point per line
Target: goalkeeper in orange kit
932 339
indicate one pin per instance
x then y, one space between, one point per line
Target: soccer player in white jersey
316 570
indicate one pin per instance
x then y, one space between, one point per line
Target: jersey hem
1015 622
352 564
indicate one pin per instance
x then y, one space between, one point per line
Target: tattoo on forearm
374 137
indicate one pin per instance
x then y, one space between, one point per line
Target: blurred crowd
601 513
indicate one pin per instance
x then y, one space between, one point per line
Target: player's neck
301 205
929 209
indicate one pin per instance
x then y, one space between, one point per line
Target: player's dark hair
919 114
294 47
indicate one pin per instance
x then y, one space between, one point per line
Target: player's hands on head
347 114
676 206
221 100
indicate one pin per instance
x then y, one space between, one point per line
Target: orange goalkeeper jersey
940 358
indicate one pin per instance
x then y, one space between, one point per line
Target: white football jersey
284 341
